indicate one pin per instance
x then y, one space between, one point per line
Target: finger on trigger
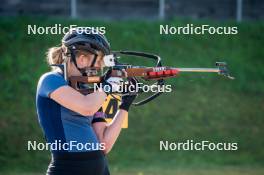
125 73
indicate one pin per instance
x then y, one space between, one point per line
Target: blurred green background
201 107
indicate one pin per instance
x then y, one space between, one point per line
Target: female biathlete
69 119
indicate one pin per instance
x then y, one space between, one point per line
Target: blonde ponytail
55 55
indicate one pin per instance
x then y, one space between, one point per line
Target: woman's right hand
111 84
115 83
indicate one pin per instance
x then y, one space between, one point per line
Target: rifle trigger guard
160 82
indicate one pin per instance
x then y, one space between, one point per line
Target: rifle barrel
197 69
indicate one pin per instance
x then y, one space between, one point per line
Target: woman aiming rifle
71 118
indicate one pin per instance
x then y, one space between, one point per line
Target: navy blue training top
62 125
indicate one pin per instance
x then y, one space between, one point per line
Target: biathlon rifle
157 73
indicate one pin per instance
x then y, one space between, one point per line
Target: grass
201 107
157 171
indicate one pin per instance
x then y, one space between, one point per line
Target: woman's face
85 60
